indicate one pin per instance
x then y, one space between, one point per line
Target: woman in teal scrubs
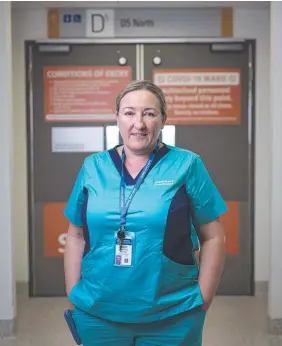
137 213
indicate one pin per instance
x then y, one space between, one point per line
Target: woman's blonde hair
144 85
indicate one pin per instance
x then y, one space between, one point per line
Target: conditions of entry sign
201 96
83 93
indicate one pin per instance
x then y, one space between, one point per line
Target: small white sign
168 135
100 23
77 139
112 136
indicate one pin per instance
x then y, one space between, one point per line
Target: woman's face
140 120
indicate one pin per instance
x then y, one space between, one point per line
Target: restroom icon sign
72 18
67 18
77 18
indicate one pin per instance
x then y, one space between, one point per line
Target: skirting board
275 326
261 288
6 328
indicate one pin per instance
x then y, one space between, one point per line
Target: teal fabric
156 286
181 330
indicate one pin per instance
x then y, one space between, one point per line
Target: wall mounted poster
83 93
201 96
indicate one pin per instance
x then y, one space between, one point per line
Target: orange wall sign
231 225
83 93
201 96
56 226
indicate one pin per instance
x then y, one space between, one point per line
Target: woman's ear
117 118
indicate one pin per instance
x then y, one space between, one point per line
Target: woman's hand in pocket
206 306
207 298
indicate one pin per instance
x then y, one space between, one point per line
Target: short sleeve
206 200
76 200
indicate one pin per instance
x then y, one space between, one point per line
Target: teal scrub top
176 196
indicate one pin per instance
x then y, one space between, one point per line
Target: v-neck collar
128 179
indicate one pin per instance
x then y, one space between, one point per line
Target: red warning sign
201 96
83 93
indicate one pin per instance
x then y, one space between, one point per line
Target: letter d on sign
98 23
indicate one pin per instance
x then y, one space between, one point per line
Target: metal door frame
139 42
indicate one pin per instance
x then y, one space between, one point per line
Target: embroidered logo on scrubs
164 183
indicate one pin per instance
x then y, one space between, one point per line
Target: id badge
124 257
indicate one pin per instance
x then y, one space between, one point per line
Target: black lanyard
124 206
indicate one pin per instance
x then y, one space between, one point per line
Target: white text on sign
194 78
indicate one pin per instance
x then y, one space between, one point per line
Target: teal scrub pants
182 330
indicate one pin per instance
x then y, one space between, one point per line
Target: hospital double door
71 90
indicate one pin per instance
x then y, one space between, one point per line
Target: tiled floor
231 321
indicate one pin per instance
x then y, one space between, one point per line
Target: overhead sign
201 96
83 93
172 22
124 22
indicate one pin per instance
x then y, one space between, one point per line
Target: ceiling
138 4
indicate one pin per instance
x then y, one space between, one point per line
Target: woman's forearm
72 257
212 256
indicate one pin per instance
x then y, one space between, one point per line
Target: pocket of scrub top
97 267
177 243
86 264
176 277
